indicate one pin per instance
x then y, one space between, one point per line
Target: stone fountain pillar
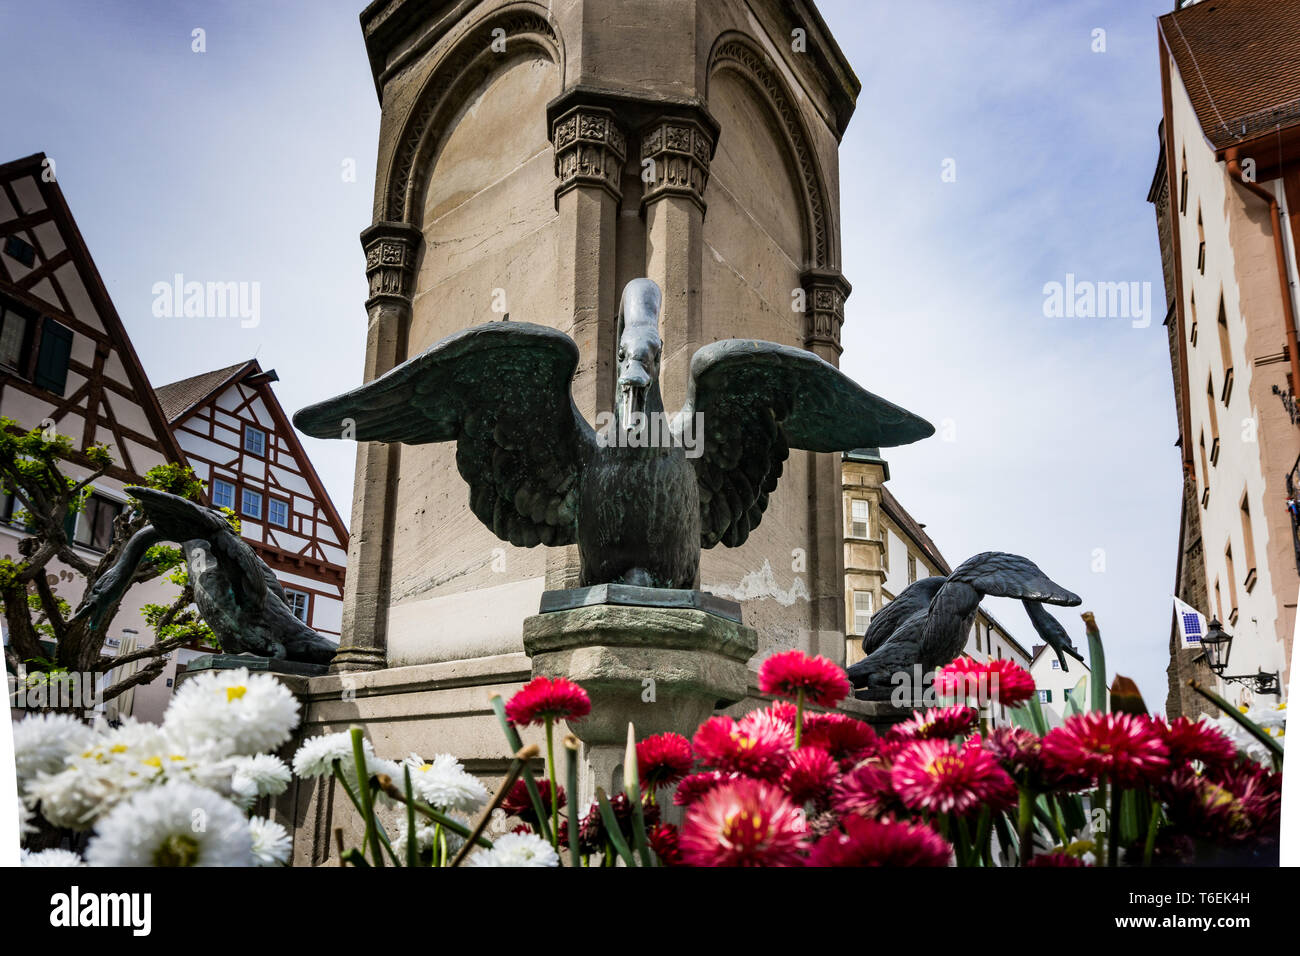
664 660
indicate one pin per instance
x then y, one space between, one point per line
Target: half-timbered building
240 443
67 363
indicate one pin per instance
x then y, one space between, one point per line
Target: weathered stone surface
631 596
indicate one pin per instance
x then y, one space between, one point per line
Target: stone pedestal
661 668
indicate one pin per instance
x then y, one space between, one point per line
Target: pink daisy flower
1001 681
698 784
810 776
820 680
757 747
938 723
866 842
745 823
937 776
1189 740
845 738
1123 748
542 698
663 759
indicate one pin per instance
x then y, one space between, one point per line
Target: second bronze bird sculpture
642 496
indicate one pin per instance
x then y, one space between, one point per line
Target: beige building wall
1243 440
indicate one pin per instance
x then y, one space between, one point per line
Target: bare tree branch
144 675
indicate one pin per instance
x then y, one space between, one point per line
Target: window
254 440
277 512
1056 665
1044 696
15 335
861 611
299 603
1192 333
20 249
978 630
1200 232
884 548
223 494
1225 353
1248 539
1214 421
911 569
95 523
1182 188
859 512
1232 582
251 504
52 357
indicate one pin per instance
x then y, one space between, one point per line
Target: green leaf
1096 664
612 830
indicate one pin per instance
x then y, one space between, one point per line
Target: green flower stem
367 805
412 849
611 828
798 720
337 771
1100 836
571 810
1056 818
517 763
1112 847
1023 821
1148 851
530 782
967 846
982 832
555 793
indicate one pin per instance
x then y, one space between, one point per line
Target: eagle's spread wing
501 392
756 401
992 573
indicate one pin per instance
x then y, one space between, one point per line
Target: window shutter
52 361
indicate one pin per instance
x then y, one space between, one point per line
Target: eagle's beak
633 383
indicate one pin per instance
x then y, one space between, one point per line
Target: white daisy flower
259 776
43 741
517 849
444 784
232 712
50 858
425 834
177 824
25 818
272 844
317 755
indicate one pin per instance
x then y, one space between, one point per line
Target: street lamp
1218 645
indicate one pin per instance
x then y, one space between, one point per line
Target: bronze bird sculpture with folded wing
643 495
929 621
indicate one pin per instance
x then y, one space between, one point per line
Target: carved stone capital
590 150
391 250
679 149
824 293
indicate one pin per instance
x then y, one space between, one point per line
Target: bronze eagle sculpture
929 621
643 495
236 593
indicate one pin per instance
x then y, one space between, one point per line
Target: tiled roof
1240 63
179 397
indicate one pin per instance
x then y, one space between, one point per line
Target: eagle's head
639 348
178 518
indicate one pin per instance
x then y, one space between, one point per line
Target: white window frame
859 528
292 593
234 493
861 617
261 504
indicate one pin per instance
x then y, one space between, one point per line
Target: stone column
824 293
590 150
391 250
676 149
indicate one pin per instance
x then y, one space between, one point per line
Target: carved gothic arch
464 66
739 54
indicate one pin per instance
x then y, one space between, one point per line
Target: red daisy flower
938 723
788 673
1205 808
663 759
1123 748
1020 752
1001 681
745 823
1259 790
867 790
757 747
1056 860
665 841
698 784
785 712
938 776
845 738
592 834
1189 740
766 722
517 803
810 776
542 697
866 842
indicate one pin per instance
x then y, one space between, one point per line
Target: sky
996 148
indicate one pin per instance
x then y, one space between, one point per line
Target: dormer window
254 441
